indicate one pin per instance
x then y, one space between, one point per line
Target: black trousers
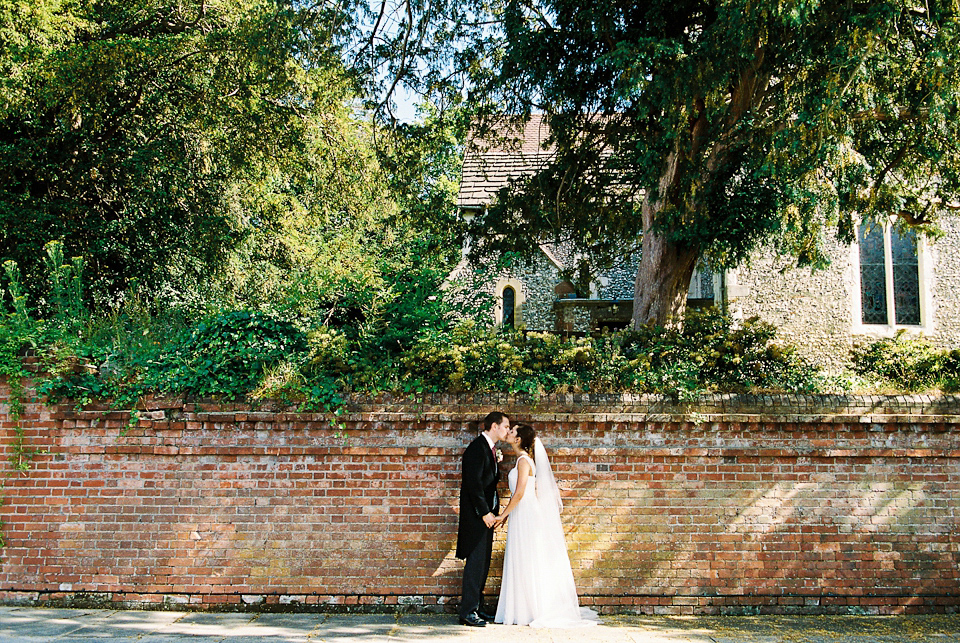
475 575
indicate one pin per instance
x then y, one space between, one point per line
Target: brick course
721 504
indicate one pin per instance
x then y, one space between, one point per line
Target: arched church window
509 306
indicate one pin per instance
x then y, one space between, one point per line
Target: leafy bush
408 344
229 353
950 371
709 353
909 363
134 354
475 358
61 331
712 352
328 352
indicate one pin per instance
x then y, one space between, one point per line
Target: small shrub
710 352
909 363
328 351
950 372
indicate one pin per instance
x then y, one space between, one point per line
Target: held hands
493 521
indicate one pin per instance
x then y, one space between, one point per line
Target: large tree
153 137
707 128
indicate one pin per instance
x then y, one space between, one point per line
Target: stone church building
885 282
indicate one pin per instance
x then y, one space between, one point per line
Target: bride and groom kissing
537 586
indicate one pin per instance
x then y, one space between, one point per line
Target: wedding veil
559 605
548 493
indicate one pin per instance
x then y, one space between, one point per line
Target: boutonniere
499 456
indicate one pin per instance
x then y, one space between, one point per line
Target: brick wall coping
586 407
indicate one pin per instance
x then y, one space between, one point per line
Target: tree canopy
169 144
152 138
712 127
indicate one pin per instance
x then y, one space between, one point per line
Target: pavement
36 625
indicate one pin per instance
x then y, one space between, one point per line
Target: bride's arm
523 472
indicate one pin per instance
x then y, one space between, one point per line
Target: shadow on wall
272 508
713 527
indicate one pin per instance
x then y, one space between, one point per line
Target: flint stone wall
816 310
536 280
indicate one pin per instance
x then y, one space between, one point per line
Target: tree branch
170 24
895 163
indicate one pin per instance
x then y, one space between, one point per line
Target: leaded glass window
509 306
906 277
873 274
889 275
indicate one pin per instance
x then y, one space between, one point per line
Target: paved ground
24 625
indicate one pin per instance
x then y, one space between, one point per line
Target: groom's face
499 431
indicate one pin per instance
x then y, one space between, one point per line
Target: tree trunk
663 277
663 281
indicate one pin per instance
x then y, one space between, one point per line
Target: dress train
538 587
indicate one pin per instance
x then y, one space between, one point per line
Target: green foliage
226 355
17 330
713 128
62 328
259 355
311 351
230 353
909 363
422 163
125 355
144 137
709 353
474 358
65 300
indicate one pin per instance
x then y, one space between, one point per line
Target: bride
538 587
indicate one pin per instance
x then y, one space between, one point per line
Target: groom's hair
494 417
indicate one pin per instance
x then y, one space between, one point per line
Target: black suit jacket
478 494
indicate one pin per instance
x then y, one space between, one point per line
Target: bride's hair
527 435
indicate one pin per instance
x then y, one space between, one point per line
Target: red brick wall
726 504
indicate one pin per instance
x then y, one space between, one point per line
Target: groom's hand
489 520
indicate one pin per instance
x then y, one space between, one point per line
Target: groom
479 507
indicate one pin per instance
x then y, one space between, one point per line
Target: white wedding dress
538 587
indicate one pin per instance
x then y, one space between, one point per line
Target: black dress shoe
472 620
487 616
